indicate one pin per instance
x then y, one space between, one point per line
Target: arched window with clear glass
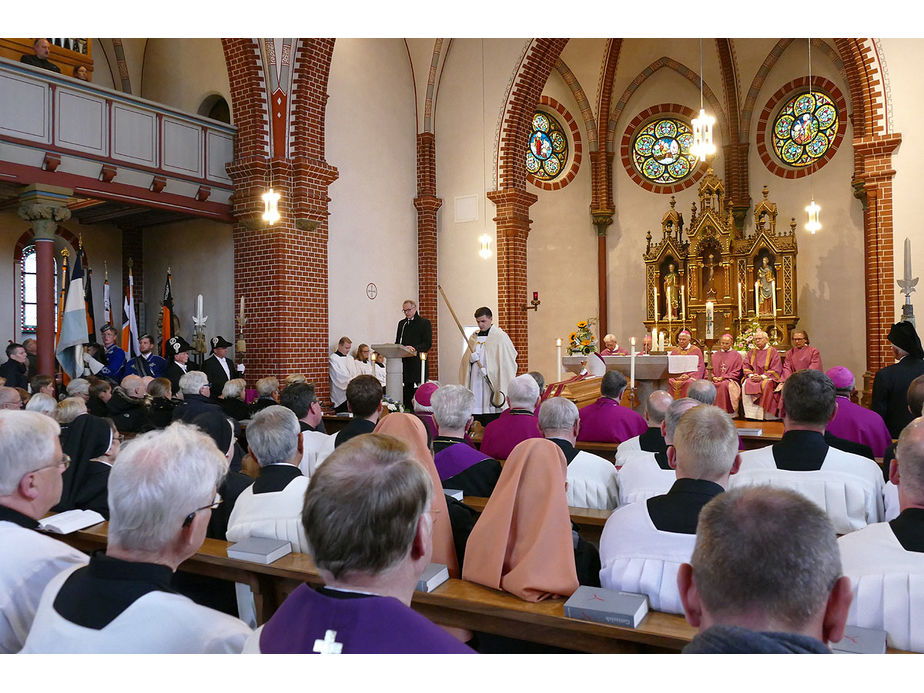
28 284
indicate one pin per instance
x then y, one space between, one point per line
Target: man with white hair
885 561
162 489
79 387
366 517
196 391
644 543
680 382
272 505
127 405
459 465
31 464
762 373
606 420
516 424
754 586
591 479
642 474
267 394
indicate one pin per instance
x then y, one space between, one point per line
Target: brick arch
665 63
511 199
28 236
248 97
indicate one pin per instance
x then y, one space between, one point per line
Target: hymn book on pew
432 577
70 521
858 640
259 550
607 606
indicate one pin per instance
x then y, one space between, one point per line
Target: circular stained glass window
661 151
804 129
547 152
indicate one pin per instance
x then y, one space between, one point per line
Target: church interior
405 164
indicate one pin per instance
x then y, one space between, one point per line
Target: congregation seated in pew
606 420
652 440
848 487
644 474
644 543
516 423
122 602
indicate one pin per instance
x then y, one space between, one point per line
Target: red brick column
873 185
427 204
512 231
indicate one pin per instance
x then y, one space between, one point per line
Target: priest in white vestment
489 366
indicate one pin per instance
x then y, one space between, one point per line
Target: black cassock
417 333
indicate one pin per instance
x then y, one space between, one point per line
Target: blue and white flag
73 333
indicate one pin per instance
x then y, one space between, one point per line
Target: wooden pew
454 603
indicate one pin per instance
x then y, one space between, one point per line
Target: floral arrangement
582 340
391 406
745 339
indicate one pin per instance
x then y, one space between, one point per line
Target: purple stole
455 459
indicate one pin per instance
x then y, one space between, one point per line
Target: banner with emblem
73 333
129 323
166 317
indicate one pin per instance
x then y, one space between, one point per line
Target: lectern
394 370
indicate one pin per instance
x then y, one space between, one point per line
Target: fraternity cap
219 342
903 335
841 377
177 345
425 393
107 326
147 337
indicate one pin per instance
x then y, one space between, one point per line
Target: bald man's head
656 407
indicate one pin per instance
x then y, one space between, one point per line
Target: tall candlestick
773 293
757 299
423 367
907 258
632 365
558 356
683 305
200 304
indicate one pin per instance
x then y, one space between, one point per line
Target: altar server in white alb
342 371
591 479
643 544
492 358
848 487
885 561
162 490
31 464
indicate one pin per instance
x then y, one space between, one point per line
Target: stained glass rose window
661 151
547 152
805 129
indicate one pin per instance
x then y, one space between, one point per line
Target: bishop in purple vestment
853 422
516 424
606 420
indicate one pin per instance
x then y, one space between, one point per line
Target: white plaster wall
466 119
103 244
562 254
830 263
371 139
158 75
186 248
903 61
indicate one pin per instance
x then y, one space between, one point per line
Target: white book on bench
70 521
259 549
607 606
432 577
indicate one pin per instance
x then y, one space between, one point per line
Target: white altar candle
654 339
558 356
372 361
632 365
667 299
757 299
740 302
773 291
661 338
656 304
199 313
710 315
423 367
683 304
